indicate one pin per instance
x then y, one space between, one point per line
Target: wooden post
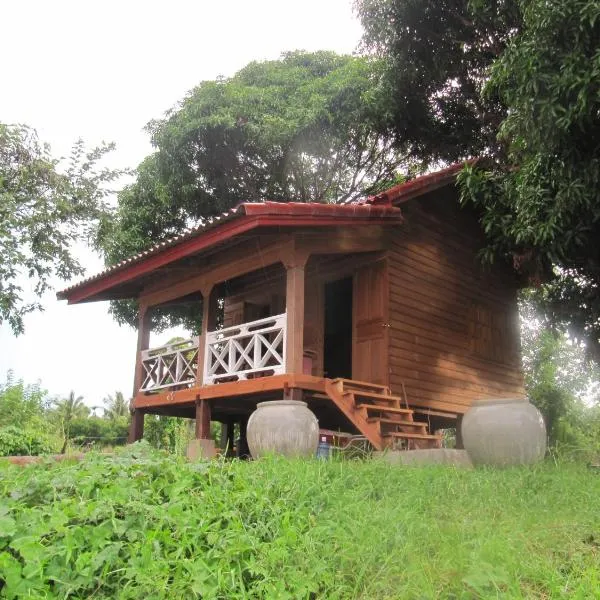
294 306
230 437
243 451
209 319
136 428
224 430
227 437
143 342
202 420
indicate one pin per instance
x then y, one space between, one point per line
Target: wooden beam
243 260
371 238
136 428
202 420
143 341
294 302
232 390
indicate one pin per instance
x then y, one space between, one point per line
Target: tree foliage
561 381
541 203
515 82
32 423
44 210
67 410
116 406
436 55
23 427
301 128
21 405
96 432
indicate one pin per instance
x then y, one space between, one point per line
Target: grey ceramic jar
285 427
503 432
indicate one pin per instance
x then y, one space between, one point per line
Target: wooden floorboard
232 389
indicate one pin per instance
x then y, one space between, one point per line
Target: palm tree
68 409
116 406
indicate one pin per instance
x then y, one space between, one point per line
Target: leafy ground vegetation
145 525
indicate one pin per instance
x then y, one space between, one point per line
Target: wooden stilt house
378 314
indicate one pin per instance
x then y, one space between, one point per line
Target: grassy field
141 525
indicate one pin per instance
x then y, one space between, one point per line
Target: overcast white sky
101 71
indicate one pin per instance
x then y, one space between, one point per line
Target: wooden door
370 324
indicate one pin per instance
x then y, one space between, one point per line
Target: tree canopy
514 82
44 210
301 128
436 55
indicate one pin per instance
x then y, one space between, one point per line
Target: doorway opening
337 351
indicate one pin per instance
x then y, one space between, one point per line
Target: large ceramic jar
284 427
507 431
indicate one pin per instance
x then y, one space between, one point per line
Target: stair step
387 409
365 385
434 413
412 436
386 397
415 424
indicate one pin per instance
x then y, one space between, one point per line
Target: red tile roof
249 215
242 218
418 186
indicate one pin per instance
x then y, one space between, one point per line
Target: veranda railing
246 351
171 365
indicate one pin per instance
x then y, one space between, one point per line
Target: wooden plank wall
453 326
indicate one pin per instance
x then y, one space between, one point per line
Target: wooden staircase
379 415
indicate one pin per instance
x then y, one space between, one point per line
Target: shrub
15 441
98 432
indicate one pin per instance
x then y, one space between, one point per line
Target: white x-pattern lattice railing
246 351
172 365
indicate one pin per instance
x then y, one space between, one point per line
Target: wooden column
143 342
294 306
242 450
136 428
209 320
202 420
227 437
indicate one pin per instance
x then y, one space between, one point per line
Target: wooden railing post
143 341
209 319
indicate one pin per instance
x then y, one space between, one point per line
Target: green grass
147 526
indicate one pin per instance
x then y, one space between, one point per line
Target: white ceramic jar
284 427
503 432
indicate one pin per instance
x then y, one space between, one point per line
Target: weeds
145 525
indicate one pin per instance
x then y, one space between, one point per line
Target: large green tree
541 200
301 128
515 82
46 205
436 56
